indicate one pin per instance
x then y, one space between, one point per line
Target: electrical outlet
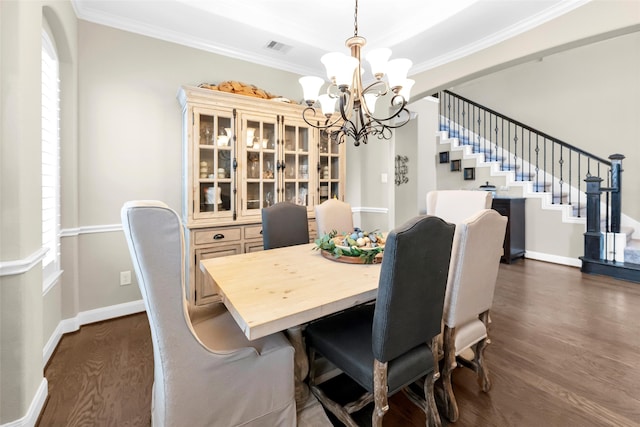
125 278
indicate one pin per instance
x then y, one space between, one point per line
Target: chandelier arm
327 124
377 83
401 108
346 110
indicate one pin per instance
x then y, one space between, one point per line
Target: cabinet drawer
253 232
222 235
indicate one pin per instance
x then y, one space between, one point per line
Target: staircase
561 176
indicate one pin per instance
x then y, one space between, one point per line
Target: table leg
301 368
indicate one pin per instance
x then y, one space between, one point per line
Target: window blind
50 159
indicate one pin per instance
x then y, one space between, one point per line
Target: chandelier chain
355 20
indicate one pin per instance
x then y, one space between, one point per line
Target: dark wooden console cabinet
513 209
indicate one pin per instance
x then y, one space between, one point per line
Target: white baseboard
31 417
86 317
556 259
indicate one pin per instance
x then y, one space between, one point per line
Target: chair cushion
469 334
218 331
345 339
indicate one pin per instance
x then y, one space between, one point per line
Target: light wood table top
271 291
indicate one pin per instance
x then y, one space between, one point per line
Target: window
50 161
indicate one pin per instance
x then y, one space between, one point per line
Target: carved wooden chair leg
450 404
430 407
483 372
379 393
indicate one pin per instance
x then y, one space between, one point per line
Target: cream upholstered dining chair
334 214
206 372
284 224
387 346
457 205
475 259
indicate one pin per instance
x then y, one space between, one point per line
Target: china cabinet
241 154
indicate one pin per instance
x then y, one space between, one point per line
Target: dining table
284 289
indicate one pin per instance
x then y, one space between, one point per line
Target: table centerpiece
359 247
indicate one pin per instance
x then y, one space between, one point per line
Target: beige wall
23 314
121 140
587 97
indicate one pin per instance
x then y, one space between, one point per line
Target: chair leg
450 404
483 372
379 393
431 409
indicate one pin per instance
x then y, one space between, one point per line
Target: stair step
540 186
524 176
632 251
509 166
493 158
620 270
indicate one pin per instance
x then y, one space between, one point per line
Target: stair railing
569 173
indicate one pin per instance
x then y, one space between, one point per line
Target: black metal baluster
553 173
561 182
578 177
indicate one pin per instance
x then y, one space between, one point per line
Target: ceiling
429 32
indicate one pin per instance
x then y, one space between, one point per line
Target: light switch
383 178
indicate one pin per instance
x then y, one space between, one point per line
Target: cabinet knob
218 236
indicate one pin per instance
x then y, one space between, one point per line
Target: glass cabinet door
329 169
295 171
213 163
258 140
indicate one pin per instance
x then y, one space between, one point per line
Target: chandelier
356 104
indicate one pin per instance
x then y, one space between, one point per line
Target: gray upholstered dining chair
475 259
387 346
457 205
206 372
284 224
334 214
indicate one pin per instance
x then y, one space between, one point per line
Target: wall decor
444 157
469 174
455 165
402 170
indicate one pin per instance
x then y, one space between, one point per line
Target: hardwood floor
564 352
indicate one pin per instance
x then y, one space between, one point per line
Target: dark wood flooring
564 352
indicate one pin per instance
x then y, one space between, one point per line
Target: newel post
593 236
616 191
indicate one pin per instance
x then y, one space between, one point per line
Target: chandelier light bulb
378 59
310 88
344 76
397 70
406 89
332 62
328 104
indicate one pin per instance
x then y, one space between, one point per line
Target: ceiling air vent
278 47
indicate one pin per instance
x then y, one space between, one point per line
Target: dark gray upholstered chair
284 224
475 259
206 372
386 347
